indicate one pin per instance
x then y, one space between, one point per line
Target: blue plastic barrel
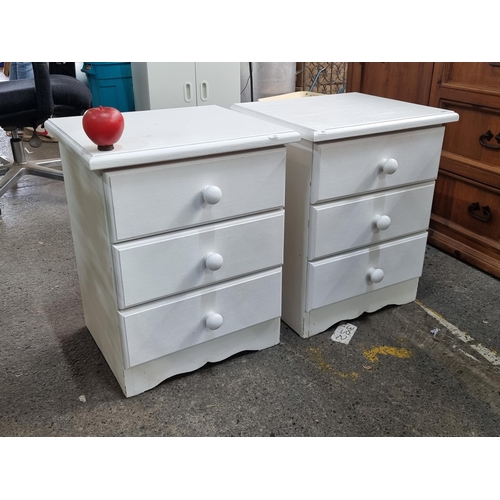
110 84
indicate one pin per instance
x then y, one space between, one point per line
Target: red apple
104 126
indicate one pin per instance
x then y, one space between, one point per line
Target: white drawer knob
382 221
375 275
389 166
213 261
213 320
212 194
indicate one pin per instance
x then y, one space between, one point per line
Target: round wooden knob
375 275
212 194
213 261
389 166
213 320
382 222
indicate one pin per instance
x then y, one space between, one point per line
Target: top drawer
150 200
356 166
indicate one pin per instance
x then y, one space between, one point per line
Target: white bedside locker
178 237
359 190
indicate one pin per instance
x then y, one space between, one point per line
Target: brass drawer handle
474 208
488 136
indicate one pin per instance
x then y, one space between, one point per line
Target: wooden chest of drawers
178 236
358 198
465 217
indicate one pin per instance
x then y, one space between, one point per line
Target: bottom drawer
348 275
153 330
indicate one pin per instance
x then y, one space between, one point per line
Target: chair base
13 171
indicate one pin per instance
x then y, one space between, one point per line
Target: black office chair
28 103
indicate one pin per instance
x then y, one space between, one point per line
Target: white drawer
159 266
347 167
170 325
154 199
347 275
352 222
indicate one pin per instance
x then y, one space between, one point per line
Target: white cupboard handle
188 94
212 194
213 320
204 91
213 261
375 275
389 166
382 222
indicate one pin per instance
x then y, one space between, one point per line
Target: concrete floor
395 378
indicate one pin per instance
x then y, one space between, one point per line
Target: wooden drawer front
464 137
159 266
351 223
167 326
469 205
151 200
473 76
345 276
350 167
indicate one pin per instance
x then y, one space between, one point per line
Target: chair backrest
44 100
71 96
26 102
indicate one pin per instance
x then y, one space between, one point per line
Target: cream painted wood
244 311
149 200
365 220
355 273
416 153
358 195
167 326
159 266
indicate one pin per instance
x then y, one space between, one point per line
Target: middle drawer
364 220
160 266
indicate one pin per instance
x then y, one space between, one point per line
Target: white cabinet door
172 85
159 85
217 83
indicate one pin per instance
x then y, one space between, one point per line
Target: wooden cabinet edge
464 252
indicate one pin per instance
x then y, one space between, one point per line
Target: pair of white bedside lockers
188 250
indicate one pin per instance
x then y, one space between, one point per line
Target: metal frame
13 171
